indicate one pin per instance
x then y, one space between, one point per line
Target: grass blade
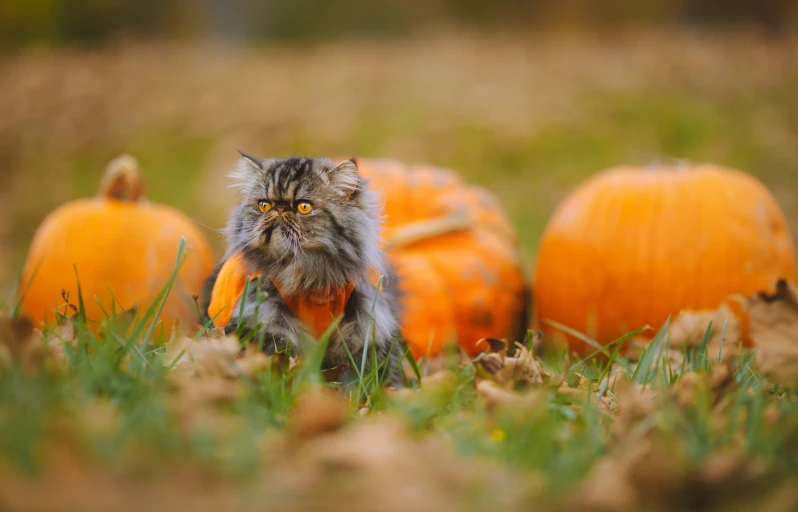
165 293
650 356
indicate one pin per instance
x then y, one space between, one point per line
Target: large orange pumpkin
124 249
631 246
455 255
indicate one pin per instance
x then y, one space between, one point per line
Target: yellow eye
264 206
304 207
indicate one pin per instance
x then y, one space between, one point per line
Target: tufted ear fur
241 175
345 178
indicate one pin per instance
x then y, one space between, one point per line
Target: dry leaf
523 369
21 341
773 326
193 393
496 398
520 371
16 335
493 359
204 357
119 323
635 403
318 410
432 387
252 361
689 328
440 378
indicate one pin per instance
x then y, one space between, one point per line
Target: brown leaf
689 328
193 393
63 334
119 323
491 362
252 361
523 369
773 325
432 388
65 331
204 357
519 404
318 410
15 334
520 371
441 378
635 403
494 344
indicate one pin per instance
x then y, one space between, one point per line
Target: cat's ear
345 177
249 161
241 175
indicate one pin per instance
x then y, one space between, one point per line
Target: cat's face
297 206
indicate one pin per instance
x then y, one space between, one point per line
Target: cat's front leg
264 324
269 341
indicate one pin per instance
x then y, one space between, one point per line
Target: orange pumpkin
455 255
632 246
124 249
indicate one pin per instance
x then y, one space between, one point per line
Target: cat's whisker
215 230
253 241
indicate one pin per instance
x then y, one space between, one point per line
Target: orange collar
316 310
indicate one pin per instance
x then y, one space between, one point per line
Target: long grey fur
336 243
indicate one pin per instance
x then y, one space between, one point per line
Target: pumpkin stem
677 164
424 229
122 180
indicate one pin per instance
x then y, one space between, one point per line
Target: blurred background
525 97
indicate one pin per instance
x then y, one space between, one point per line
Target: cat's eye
264 206
304 207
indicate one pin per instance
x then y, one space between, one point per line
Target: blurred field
526 116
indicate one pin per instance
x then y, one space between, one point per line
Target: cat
309 228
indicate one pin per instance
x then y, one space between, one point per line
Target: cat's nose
280 209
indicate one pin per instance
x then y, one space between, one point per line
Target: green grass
118 400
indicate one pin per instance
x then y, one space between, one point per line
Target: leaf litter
677 439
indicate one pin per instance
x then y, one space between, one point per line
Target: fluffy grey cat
310 228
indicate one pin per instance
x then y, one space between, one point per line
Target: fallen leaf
773 325
252 361
635 403
520 371
16 334
318 410
118 324
204 357
439 378
494 345
689 329
519 404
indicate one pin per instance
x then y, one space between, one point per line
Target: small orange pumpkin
455 255
631 246
124 249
